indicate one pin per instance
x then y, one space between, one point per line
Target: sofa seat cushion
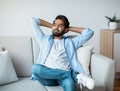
54 88
24 84
98 87
59 88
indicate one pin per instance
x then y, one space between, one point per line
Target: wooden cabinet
110 45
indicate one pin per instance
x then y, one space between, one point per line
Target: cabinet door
117 50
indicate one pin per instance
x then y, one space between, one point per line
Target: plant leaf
108 18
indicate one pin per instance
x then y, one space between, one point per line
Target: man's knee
35 68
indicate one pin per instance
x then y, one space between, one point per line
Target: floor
117 85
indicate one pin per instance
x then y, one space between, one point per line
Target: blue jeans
54 77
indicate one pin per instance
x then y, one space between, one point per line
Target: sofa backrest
20 49
24 52
35 49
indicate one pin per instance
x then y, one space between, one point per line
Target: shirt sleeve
38 34
82 38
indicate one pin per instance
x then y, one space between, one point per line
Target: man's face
58 28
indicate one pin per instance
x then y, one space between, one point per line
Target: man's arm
49 25
83 37
44 23
76 29
37 31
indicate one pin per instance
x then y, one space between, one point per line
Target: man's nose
56 27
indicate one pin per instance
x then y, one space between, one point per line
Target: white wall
15 15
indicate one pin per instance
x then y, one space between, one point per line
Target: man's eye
60 25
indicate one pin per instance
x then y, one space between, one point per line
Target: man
57 63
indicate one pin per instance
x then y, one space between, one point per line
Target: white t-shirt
57 59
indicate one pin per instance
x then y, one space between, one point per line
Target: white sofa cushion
83 56
7 71
24 84
20 49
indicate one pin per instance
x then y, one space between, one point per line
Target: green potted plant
113 22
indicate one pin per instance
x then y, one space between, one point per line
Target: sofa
24 50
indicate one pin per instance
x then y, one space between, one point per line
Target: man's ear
66 30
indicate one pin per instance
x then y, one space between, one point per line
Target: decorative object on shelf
113 22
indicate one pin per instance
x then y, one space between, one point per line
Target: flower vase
112 25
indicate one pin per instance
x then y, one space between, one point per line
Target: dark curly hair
64 19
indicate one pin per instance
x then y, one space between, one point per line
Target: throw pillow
83 56
7 72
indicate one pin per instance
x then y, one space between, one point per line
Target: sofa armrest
103 70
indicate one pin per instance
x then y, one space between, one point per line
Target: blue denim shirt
70 44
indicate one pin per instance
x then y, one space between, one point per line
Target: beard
56 33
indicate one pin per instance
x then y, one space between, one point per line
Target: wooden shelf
109 45
107 42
